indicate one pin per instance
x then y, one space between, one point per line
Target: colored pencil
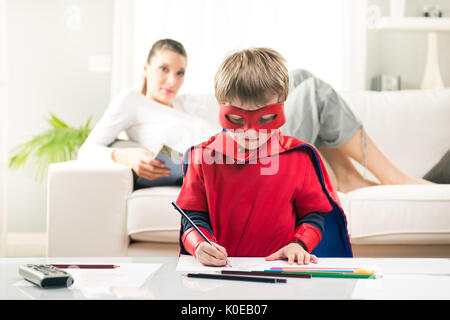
328 271
266 274
237 278
313 268
86 266
195 227
328 274
325 270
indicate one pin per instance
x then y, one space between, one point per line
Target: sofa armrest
86 209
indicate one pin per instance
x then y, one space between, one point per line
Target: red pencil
86 266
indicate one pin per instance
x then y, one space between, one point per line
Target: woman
314 111
151 117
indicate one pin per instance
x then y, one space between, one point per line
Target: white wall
3 121
49 47
403 52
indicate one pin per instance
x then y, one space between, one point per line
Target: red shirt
252 205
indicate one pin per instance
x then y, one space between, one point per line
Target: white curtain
123 44
326 37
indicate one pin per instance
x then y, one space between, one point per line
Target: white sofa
93 211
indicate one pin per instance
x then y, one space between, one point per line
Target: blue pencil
195 227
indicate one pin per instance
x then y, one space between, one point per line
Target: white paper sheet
123 282
127 275
188 263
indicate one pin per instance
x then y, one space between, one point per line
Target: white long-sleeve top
191 121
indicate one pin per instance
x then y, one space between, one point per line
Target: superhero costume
254 202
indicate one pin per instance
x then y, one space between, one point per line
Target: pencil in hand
197 229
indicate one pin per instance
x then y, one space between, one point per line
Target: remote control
46 275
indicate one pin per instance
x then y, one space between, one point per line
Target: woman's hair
252 75
163 44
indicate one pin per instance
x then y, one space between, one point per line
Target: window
314 35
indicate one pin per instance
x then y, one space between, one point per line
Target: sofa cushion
345 205
400 214
151 217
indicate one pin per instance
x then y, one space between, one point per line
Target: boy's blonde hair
252 76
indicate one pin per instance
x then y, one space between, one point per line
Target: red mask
252 119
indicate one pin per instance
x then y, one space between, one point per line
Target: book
173 160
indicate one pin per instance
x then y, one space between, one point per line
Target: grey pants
316 114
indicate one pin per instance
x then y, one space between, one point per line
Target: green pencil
329 274
343 275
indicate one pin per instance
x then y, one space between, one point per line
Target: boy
253 191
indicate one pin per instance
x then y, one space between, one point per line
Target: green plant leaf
55 122
57 144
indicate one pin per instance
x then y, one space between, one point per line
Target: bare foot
405 179
357 183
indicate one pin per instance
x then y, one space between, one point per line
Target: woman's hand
209 255
292 252
141 161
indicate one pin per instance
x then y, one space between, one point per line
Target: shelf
414 24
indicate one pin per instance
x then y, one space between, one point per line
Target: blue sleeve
200 218
316 219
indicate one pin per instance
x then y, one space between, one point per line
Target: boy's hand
293 252
209 255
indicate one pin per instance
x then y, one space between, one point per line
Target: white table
403 278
